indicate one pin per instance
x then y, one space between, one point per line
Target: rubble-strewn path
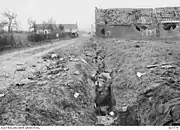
9 63
46 86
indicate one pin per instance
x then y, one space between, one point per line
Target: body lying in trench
104 96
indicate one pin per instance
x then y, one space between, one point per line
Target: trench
154 98
105 102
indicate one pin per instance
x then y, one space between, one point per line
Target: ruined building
139 22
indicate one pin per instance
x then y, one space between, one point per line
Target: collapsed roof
136 15
123 16
167 14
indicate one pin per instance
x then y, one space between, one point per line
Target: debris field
99 82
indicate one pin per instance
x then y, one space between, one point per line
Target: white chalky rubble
84 61
53 56
167 66
105 75
66 69
73 56
71 59
76 72
21 69
75 59
124 108
61 59
2 95
140 74
76 95
111 113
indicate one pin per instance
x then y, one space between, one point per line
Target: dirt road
25 58
41 90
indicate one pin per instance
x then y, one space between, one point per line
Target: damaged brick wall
168 19
123 16
144 17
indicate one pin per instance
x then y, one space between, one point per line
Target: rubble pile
124 16
135 15
51 97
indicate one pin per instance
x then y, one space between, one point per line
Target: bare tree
51 24
51 27
45 25
51 21
10 21
32 24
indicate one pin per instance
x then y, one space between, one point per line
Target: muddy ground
59 91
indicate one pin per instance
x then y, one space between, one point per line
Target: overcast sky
72 11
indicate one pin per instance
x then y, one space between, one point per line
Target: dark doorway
169 26
103 31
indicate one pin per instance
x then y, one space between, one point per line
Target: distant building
56 29
70 28
121 22
45 28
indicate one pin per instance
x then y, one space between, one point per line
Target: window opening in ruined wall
169 26
103 31
137 28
